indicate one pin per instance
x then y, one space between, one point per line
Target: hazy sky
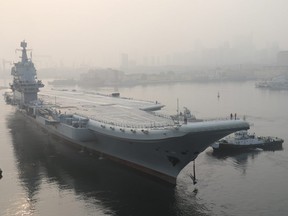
98 31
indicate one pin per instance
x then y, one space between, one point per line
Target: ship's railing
177 119
226 118
152 125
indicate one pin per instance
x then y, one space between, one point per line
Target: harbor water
42 175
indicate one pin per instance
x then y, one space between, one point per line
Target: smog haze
98 32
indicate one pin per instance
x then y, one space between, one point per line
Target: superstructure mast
25 85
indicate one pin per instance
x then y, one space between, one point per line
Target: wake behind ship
125 130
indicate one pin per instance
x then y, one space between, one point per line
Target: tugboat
243 140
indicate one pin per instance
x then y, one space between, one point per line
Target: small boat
243 140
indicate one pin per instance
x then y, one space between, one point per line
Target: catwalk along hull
162 156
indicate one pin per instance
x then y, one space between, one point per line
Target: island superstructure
25 84
132 132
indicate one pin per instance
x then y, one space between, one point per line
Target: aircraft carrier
133 132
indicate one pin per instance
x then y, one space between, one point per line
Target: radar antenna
24 57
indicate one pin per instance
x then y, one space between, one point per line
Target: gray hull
163 158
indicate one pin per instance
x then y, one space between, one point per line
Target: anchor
193 177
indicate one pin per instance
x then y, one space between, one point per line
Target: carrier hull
161 158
